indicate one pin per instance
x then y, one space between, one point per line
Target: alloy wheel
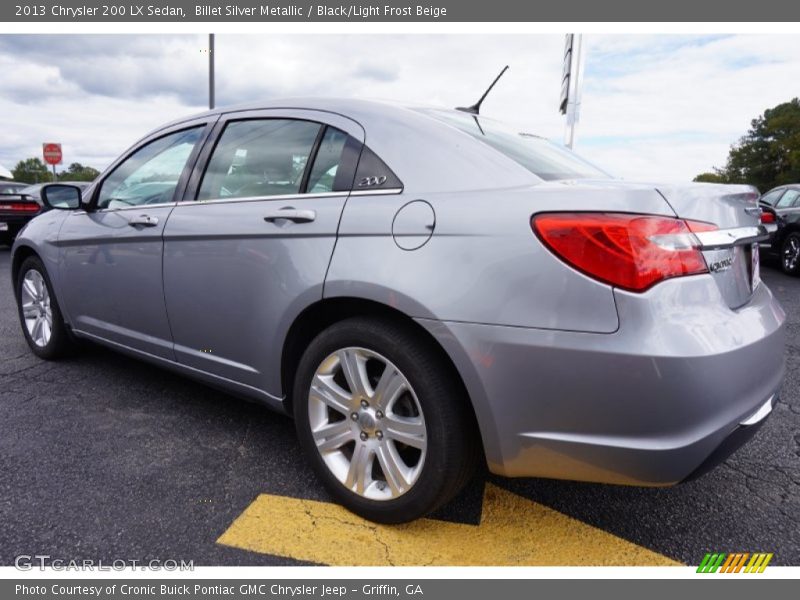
36 309
791 253
367 423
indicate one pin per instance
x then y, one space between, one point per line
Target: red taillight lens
20 206
767 217
633 252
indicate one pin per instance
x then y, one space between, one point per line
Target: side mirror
61 196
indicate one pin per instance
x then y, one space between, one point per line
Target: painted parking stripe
513 531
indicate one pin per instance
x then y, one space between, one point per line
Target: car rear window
540 156
8 190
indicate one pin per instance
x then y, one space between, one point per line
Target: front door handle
143 221
289 213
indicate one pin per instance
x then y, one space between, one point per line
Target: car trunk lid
731 251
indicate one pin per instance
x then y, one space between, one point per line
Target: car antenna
475 109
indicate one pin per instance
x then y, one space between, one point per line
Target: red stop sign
52 153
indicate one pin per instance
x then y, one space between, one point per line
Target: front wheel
386 428
790 254
39 313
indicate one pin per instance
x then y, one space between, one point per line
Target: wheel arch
21 253
324 313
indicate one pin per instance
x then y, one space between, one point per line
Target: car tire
39 313
790 254
421 404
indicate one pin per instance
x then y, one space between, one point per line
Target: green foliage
769 154
78 172
32 170
715 177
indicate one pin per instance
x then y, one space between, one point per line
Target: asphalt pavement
104 457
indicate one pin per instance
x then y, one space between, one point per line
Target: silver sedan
424 290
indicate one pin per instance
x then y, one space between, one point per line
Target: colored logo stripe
733 563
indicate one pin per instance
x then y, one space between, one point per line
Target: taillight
767 217
20 207
633 252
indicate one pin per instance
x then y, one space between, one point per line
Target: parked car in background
34 192
11 187
781 216
424 290
20 206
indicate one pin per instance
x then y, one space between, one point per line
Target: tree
769 154
31 170
715 177
78 172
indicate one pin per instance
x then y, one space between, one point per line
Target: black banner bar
732 588
40 11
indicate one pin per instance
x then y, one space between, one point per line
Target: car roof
392 129
348 107
787 186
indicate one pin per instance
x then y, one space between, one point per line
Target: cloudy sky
655 107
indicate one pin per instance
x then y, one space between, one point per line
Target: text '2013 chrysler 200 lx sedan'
423 289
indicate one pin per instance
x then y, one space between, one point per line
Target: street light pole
211 100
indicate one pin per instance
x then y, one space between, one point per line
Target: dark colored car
19 203
781 214
11 187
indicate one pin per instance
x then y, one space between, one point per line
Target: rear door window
789 199
327 173
259 157
772 197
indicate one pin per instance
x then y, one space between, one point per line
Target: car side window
789 199
771 197
327 164
259 157
150 175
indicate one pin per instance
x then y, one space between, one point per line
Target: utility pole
571 85
211 100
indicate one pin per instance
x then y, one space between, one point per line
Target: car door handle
143 221
290 213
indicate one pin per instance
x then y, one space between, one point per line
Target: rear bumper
737 438
14 223
646 405
770 245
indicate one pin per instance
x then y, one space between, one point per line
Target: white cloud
654 107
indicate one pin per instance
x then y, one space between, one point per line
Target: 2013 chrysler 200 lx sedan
423 289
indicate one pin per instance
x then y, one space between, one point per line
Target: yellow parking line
513 531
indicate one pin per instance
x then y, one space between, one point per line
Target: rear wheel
790 254
385 427
39 313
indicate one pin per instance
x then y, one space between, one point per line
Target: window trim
312 158
322 118
794 202
207 126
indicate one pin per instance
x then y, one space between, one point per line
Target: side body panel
483 263
234 282
112 266
113 271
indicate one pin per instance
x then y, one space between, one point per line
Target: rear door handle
289 213
143 221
